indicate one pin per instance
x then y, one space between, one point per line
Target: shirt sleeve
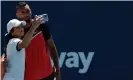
14 43
46 32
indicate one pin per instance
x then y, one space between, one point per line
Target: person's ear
17 14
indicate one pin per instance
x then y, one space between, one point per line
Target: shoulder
13 44
43 26
46 32
14 41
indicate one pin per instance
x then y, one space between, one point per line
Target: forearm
27 38
54 56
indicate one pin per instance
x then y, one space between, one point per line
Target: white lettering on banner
71 60
86 62
61 59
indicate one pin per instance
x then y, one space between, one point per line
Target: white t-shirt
16 61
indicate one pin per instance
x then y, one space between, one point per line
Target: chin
22 34
27 19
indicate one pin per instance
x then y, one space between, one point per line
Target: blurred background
94 39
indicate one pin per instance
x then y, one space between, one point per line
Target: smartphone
45 16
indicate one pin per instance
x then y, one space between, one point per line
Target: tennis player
38 65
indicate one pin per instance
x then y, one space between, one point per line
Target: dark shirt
45 30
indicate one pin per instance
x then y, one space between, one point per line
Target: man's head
23 11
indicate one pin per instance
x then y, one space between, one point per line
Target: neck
17 37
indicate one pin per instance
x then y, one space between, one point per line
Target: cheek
21 15
22 29
19 31
16 32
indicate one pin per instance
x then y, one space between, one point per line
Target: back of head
21 4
